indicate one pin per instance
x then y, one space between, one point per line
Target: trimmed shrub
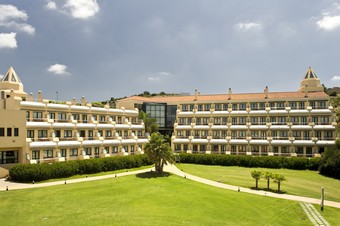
274 162
45 171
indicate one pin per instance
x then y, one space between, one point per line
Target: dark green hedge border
45 171
274 162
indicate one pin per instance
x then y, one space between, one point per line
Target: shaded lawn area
147 200
299 182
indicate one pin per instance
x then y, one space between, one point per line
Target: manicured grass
299 182
147 200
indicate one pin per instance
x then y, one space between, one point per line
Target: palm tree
150 124
277 179
257 176
268 176
158 151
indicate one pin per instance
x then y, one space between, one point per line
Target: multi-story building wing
300 123
38 130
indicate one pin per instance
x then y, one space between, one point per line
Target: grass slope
299 182
147 200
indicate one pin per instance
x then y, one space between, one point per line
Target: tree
257 176
278 178
268 176
150 124
330 162
158 151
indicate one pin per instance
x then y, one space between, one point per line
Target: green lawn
147 200
299 182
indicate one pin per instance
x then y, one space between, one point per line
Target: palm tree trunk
278 186
268 184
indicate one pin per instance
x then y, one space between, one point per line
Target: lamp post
57 95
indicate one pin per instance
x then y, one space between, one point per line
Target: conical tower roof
11 81
311 82
11 76
310 73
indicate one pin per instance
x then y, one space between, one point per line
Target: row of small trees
277 178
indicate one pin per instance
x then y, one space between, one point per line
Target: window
61 116
217 107
292 105
68 133
63 153
30 134
82 133
114 150
207 107
84 118
88 151
184 107
74 152
242 107
8 157
328 135
301 105
2 132
47 154
75 116
51 115
35 154
225 107
200 107
102 118
28 115
37 115
253 106
42 133
108 133
280 106
16 132
96 152
253 120
9 132
242 120
322 104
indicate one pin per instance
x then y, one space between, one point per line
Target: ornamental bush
274 162
45 171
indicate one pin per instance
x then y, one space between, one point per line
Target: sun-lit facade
300 123
34 130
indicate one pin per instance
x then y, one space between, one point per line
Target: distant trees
330 165
278 179
268 176
257 176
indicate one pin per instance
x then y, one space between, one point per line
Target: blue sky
108 48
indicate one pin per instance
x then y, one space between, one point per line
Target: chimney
196 94
229 94
40 98
31 97
306 91
83 101
74 101
266 92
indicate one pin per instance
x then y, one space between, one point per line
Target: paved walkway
171 169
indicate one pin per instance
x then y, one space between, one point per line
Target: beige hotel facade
36 130
300 123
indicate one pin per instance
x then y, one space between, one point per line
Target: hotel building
300 123
38 130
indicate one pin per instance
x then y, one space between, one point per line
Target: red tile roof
222 97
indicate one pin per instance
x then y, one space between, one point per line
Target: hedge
275 162
45 171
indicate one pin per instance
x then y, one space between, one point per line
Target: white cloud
82 9
11 18
8 40
159 76
248 26
330 18
58 69
336 78
329 23
51 5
